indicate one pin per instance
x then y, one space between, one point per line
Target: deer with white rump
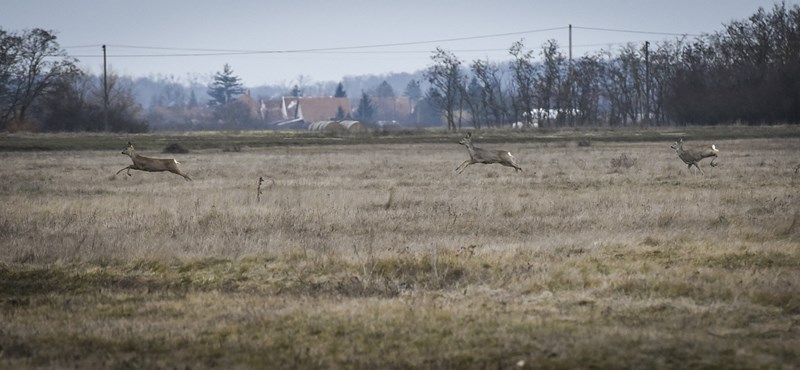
151 164
478 155
693 156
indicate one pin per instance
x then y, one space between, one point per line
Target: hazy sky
175 37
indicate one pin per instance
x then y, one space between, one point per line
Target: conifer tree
225 87
340 93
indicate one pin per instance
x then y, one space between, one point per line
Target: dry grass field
607 255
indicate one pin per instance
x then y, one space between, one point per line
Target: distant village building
291 109
392 109
292 112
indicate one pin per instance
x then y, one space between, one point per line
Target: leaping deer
478 155
693 156
151 164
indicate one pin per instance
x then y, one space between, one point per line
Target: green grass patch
223 140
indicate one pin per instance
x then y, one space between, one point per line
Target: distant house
251 103
292 110
391 109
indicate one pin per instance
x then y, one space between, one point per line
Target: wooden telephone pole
105 91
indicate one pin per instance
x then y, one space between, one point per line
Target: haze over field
276 43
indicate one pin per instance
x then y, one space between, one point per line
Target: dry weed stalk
390 200
261 182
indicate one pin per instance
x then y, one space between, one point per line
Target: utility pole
570 115
570 50
647 80
105 91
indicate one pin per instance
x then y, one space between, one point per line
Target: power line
206 52
358 49
635 31
344 52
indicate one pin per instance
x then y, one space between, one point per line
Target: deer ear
129 144
469 134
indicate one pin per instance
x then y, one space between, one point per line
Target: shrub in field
623 162
175 148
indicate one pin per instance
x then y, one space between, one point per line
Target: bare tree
586 75
491 92
524 80
445 79
471 95
31 65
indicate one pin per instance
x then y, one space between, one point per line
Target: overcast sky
175 37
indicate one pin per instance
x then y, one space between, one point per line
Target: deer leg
126 168
462 166
512 165
699 169
712 162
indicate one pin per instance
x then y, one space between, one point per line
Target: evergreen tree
192 99
296 91
340 93
225 87
384 90
340 114
414 94
413 91
365 109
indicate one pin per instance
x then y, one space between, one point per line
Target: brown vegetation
379 256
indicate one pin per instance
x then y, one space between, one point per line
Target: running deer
478 155
693 156
151 164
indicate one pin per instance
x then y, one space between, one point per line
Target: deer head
678 145
466 140
129 150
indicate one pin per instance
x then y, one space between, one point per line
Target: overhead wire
357 49
207 52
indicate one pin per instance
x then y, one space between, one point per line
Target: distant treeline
749 73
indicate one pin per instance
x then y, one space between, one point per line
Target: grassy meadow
601 254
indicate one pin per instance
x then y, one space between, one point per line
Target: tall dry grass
381 256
